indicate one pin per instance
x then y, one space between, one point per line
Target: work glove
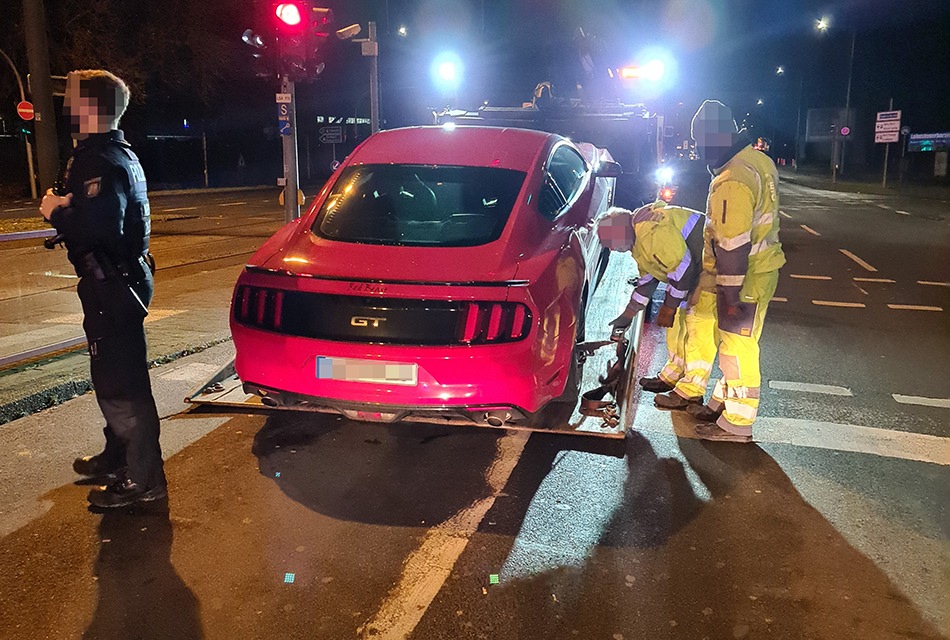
665 317
51 202
619 325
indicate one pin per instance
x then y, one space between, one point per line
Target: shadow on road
723 546
140 594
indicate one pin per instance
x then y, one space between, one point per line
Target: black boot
704 413
97 466
675 401
655 384
124 492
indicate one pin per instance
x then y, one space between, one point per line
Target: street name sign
283 97
887 126
888 115
331 135
887 136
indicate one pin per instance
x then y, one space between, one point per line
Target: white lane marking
861 290
427 568
857 259
903 213
914 307
931 283
177 209
18 209
832 303
808 387
230 204
804 277
885 280
784 215
779 299
53 274
887 443
809 230
882 206
943 403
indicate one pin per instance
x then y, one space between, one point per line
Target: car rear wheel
575 370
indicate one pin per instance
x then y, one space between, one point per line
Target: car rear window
419 205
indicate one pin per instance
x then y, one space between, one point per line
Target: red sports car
440 271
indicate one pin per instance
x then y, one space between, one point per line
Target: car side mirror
608 169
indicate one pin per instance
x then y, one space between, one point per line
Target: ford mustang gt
441 271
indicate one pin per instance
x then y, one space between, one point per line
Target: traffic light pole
37 53
29 145
291 173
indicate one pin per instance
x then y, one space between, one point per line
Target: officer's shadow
140 594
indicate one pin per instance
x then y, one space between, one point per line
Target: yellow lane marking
857 259
832 303
914 307
804 277
809 230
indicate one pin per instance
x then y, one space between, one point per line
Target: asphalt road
834 525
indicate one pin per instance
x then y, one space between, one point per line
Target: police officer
103 216
743 226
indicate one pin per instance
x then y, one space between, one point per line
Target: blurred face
616 232
82 110
713 130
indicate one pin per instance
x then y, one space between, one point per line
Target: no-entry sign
24 109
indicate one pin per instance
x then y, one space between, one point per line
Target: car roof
505 148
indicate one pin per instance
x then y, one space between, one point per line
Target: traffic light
26 129
302 34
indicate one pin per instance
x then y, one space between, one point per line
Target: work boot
123 493
703 412
655 385
715 433
96 466
675 401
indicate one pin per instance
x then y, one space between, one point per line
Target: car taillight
493 322
258 307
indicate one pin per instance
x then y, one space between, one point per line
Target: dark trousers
119 367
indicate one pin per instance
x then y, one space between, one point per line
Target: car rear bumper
448 379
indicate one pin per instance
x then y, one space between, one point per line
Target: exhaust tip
270 401
497 418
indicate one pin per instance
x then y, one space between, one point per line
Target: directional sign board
887 126
888 115
283 98
887 136
25 110
331 135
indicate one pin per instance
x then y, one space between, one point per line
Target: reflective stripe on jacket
743 219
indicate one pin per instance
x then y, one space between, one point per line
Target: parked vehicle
440 271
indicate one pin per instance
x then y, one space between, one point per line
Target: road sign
331 135
887 136
283 98
887 126
25 110
845 131
888 115
284 127
905 131
283 111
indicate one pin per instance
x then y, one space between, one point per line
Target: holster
115 282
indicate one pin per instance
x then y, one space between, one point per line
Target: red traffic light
289 13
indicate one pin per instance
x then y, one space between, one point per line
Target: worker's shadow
140 594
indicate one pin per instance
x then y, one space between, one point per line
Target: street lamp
780 71
822 24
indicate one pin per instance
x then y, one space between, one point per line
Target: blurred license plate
353 370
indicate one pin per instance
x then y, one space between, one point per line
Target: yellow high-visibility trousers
737 392
675 365
700 345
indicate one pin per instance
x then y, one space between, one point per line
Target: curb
47 398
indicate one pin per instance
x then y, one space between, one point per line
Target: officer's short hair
108 90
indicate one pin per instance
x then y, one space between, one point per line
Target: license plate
354 370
